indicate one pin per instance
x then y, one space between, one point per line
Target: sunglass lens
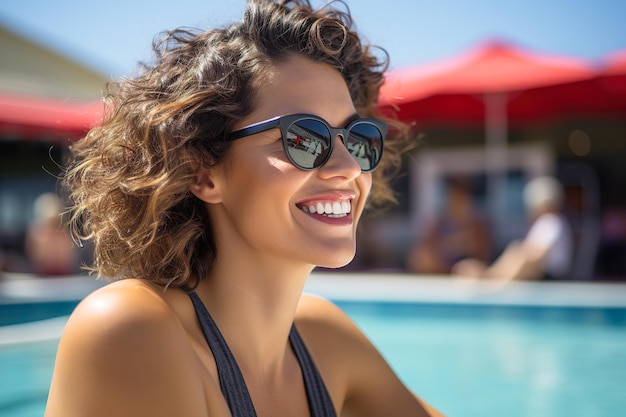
308 143
365 143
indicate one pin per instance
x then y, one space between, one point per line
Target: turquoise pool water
504 361
468 359
25 378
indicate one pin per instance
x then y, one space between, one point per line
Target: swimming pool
470 349
32 315
487 349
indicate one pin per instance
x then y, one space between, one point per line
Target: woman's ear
206 188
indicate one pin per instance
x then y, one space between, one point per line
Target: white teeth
328 208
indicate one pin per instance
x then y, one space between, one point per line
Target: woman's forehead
300 85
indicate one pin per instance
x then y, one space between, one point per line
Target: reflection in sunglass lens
308 143
365 145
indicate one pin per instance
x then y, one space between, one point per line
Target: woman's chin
337 261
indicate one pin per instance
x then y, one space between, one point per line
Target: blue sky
111 36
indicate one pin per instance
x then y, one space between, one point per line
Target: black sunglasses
308 140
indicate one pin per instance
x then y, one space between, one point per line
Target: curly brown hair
129 179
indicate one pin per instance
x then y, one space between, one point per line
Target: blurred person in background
547 250
210 218
459 232
49 246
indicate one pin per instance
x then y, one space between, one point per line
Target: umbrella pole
496 132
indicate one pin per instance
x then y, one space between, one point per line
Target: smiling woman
205 214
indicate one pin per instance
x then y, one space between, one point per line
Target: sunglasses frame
284 122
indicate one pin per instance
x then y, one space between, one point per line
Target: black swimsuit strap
320 403
232 383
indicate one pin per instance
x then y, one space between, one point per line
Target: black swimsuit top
232 383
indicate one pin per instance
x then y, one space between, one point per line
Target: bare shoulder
314 309
116 357
328 330
359 379
125 298
121 313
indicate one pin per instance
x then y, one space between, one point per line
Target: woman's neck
253 303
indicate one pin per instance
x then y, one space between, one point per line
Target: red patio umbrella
614 64
29 117
602 95
612 76
461 89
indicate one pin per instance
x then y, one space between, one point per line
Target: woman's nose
340 162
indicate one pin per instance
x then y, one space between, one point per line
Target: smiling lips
333 209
